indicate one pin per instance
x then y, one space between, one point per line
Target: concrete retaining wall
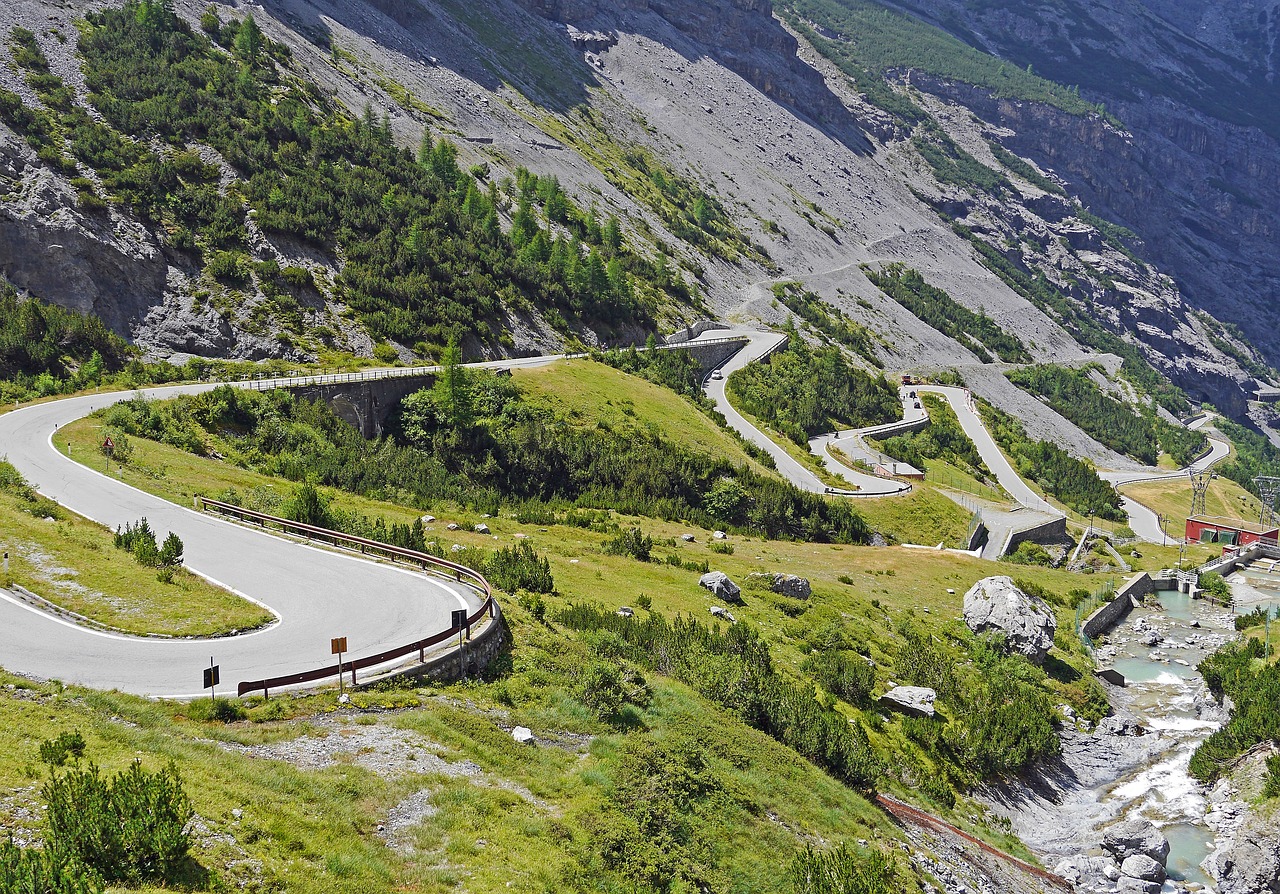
712 355
691 332
458 663
1132 593
1052 531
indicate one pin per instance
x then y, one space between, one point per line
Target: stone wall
1115 611
1051 531
366 405
459 662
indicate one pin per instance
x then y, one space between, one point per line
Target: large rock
721 586
1028 624
1249 862
1133 837
787 584
914 700
1141 866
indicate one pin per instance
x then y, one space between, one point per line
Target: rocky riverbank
1093 814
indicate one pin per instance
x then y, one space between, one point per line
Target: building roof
1233 524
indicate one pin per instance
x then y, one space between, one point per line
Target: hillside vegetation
976 331
804 391
423 248
1141 435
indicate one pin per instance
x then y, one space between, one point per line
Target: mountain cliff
701 155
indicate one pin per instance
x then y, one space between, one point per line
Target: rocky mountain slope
647 110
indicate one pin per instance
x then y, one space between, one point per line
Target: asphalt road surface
315 593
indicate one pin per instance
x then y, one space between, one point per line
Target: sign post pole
459 620
337 646
211 679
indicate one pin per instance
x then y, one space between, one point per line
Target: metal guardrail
426 561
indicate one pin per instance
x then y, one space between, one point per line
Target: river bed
1136 763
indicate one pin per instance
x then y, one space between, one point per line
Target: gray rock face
721 587
1250 863
1119 726
1141 866
787 584
914 700
1135 837
994 603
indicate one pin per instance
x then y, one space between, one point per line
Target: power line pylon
1269 491
1199 487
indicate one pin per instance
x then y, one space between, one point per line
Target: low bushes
127 828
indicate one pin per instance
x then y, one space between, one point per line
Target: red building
1228 531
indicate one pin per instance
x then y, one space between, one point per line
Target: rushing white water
1166 696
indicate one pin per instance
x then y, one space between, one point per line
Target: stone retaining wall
1132 593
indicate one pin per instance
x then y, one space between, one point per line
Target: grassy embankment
864 596
314 829
73 563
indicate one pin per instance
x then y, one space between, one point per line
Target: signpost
459 620
211 679
337 646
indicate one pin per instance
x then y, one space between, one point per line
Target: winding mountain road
315 593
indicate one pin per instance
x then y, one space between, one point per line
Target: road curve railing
427 562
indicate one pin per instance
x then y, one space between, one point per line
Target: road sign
108 446
459 617
211 677
337 645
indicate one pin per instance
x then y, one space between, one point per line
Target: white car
717 375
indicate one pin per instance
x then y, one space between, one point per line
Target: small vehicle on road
717 375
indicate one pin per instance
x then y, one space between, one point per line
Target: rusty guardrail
426 561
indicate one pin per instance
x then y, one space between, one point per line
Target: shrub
1028 553
519 567
43 871
843 871
631 542
128 828
842 673
65 746
216 710
308 506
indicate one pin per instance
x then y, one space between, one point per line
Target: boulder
1028 624
1141 866
687 538
720 535
1151 637
787 584
1119 726
1249 863
452 526
721 587
481 528
723 613
1135 837
524 735
428 519
914 700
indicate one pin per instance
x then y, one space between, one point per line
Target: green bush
1028 553
519 567
630 542
843 673
128 828
65 746
844 871
216 710
48 870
